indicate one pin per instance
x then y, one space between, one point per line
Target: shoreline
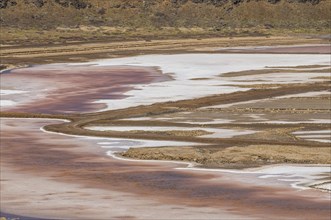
191 165
212 179
97 174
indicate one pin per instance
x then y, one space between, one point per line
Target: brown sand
304 49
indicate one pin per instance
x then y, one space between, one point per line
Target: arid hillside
217 14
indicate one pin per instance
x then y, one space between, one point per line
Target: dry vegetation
219 14
41 22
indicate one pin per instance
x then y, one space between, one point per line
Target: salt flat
185 67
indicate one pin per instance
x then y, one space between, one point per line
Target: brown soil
319 49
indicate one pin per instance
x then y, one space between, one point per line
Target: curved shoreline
77 167
203 182
190 165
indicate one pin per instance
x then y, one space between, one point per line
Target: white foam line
4 92
52 132
313 132
49 119
218 170
259 170
105 143
320 140
190 165
314 136
296 186
113 155
7 103
71 135
82 136
311 121
298 183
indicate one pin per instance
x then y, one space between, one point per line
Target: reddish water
72 89
70 159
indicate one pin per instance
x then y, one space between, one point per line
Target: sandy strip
290 49
215 132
